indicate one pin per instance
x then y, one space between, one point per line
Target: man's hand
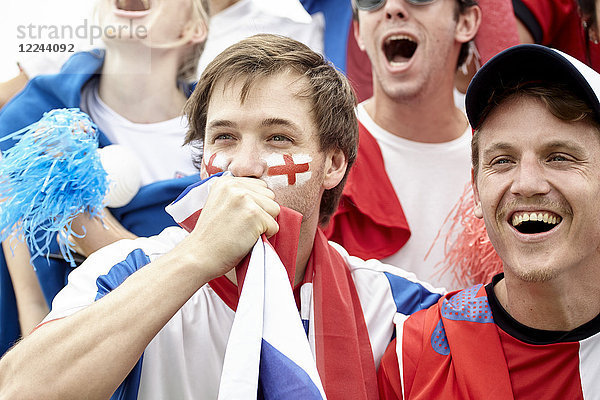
238 211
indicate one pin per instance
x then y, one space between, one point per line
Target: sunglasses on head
372 5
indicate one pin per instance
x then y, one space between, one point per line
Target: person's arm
10 88
106 339
98 233
31 304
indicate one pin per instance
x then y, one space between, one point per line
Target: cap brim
526 63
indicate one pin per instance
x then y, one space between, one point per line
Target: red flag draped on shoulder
369 222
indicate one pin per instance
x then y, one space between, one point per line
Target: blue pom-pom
52 174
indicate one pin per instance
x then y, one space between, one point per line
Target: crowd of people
341 139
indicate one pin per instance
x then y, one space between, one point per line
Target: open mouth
535 222
399 49
133 5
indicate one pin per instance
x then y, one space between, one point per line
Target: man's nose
530 178
247 161
395 9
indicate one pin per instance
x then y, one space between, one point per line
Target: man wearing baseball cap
531 333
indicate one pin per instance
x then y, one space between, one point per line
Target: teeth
549 219
399 37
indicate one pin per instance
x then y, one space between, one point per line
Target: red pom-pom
469 254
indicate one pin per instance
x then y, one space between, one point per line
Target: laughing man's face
538 190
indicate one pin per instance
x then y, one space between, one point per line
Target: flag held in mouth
268 350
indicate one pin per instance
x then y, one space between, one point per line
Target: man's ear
335 168
356 30
477 210
468 24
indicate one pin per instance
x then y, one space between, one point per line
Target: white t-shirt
185 359
429 179
158 147
246 18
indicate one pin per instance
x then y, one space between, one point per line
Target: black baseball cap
530 63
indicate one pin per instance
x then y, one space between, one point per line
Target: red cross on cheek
210 168
290 169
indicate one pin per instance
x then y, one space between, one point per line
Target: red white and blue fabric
455 350
268 336
275 342
186 208
346 306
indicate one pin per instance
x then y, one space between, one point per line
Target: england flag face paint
287 170
215 163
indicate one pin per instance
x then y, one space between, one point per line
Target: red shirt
538 364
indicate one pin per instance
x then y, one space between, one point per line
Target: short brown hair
558 99
264 55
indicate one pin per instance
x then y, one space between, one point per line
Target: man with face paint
533 332
280 119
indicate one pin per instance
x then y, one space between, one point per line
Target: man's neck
427 119
305 247
140 91
560 304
